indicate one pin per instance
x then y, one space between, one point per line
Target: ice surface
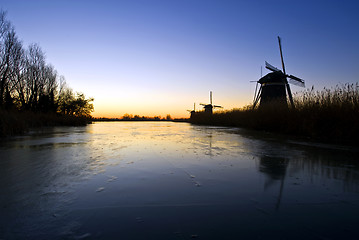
163 180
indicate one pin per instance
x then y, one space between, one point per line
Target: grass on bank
330 115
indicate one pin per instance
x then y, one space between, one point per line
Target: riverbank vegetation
329 115
32 93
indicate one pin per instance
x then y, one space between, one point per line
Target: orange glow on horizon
98 114
116 111
159 102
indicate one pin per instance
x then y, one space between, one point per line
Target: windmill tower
274 86
208 108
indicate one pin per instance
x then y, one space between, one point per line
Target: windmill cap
273 77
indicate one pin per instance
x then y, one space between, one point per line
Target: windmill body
208 108
273 89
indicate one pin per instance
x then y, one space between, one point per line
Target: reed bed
329 115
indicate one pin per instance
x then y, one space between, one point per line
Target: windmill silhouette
208 108
192 111
274 85
194 108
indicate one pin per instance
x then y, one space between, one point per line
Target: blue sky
158 57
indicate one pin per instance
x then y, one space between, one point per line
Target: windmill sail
272 68
296 81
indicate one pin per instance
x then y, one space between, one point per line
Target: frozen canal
164 180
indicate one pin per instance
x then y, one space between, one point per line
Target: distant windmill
192 111
208 108
274 85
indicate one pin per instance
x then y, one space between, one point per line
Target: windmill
208 108
194 108
274 85
192 111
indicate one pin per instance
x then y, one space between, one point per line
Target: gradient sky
159 57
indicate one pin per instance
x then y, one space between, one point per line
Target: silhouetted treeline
330 115
130 117
29 84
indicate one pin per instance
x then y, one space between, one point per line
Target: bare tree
9 55
35 63
4 24
18 76
48 90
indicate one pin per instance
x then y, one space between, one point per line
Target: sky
155 58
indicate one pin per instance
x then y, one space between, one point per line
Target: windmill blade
290 95
296 81
270 67
257 97
281 55
202 104
255 93
216 106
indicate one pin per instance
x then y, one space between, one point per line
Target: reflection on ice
275 168
168 180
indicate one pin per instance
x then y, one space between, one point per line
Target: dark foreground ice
163 180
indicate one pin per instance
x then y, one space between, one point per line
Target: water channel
166 180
